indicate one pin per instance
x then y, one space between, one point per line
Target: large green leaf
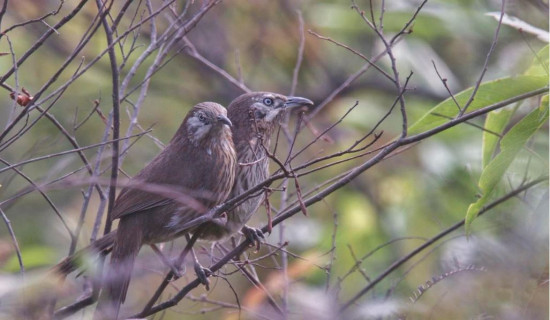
489 93
494 126
510 145
497 120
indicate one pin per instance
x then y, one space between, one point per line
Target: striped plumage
193 173
255 116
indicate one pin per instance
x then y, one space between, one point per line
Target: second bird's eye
268 101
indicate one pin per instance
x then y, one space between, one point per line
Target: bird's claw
202 274
254 235
177 271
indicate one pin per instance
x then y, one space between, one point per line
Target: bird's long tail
127 243
74 262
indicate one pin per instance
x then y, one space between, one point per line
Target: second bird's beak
292 102
225 120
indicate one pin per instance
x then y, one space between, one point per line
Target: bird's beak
225 120
292 102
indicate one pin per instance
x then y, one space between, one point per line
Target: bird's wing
157 174
133 200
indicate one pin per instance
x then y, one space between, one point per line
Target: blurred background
500 271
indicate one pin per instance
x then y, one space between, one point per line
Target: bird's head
262 110
207 120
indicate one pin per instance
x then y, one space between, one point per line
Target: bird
193 173
255 116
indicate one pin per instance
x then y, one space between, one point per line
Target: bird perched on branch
254 117
193 173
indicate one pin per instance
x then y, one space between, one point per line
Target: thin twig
41 19
14 241
362 56
53 155
344 85
444 81
486 63
192 51
300 54
116 116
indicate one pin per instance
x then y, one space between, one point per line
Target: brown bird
193 173
255 116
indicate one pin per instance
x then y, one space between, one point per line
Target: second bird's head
207 120
262 110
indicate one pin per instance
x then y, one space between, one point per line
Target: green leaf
511 144
544 101
489 93
36 256
494 124
539 67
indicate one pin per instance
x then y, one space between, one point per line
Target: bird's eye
268 101
201 117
